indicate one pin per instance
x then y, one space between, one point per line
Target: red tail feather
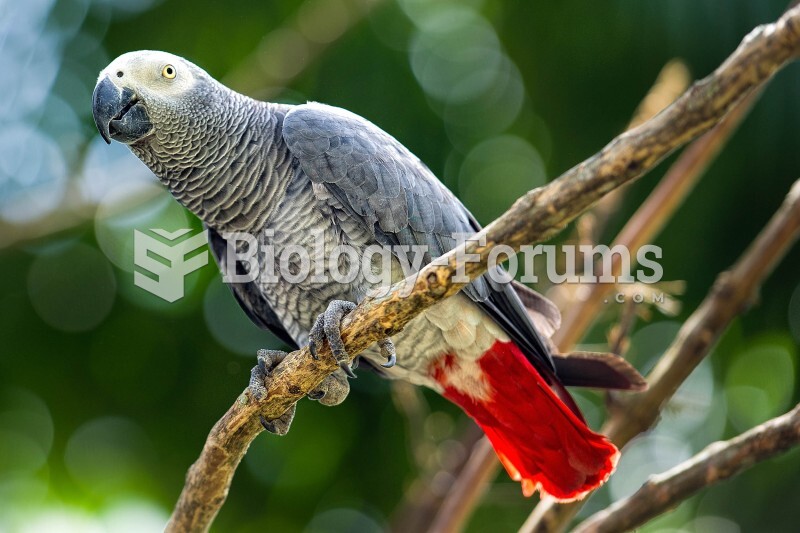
539 440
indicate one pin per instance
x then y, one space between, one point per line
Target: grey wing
249 296
400 201
374 177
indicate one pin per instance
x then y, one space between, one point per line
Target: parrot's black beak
118 113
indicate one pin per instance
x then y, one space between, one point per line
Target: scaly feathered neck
222 156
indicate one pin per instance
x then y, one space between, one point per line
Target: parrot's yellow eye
168 72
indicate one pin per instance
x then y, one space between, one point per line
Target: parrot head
142 92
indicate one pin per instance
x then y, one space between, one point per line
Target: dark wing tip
544 313
598 370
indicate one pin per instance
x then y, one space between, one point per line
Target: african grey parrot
285 173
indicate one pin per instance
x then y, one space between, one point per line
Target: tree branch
672 81
535 217
652 216
472 483
717 462
731 294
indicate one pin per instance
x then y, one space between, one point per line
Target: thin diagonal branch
651 217
533 218
732 293
671 82
716 463
472 483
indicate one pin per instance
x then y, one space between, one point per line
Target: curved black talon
345 366
279 426
316 394
327 327
389 352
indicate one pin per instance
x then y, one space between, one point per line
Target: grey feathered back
376 177
400 201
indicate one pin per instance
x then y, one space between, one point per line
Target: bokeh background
107 392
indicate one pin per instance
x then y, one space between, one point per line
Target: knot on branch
437 282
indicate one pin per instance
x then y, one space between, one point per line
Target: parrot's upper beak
118 113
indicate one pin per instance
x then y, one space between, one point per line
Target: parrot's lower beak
118 113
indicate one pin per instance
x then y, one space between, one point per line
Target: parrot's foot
333 390
267 361
328 326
